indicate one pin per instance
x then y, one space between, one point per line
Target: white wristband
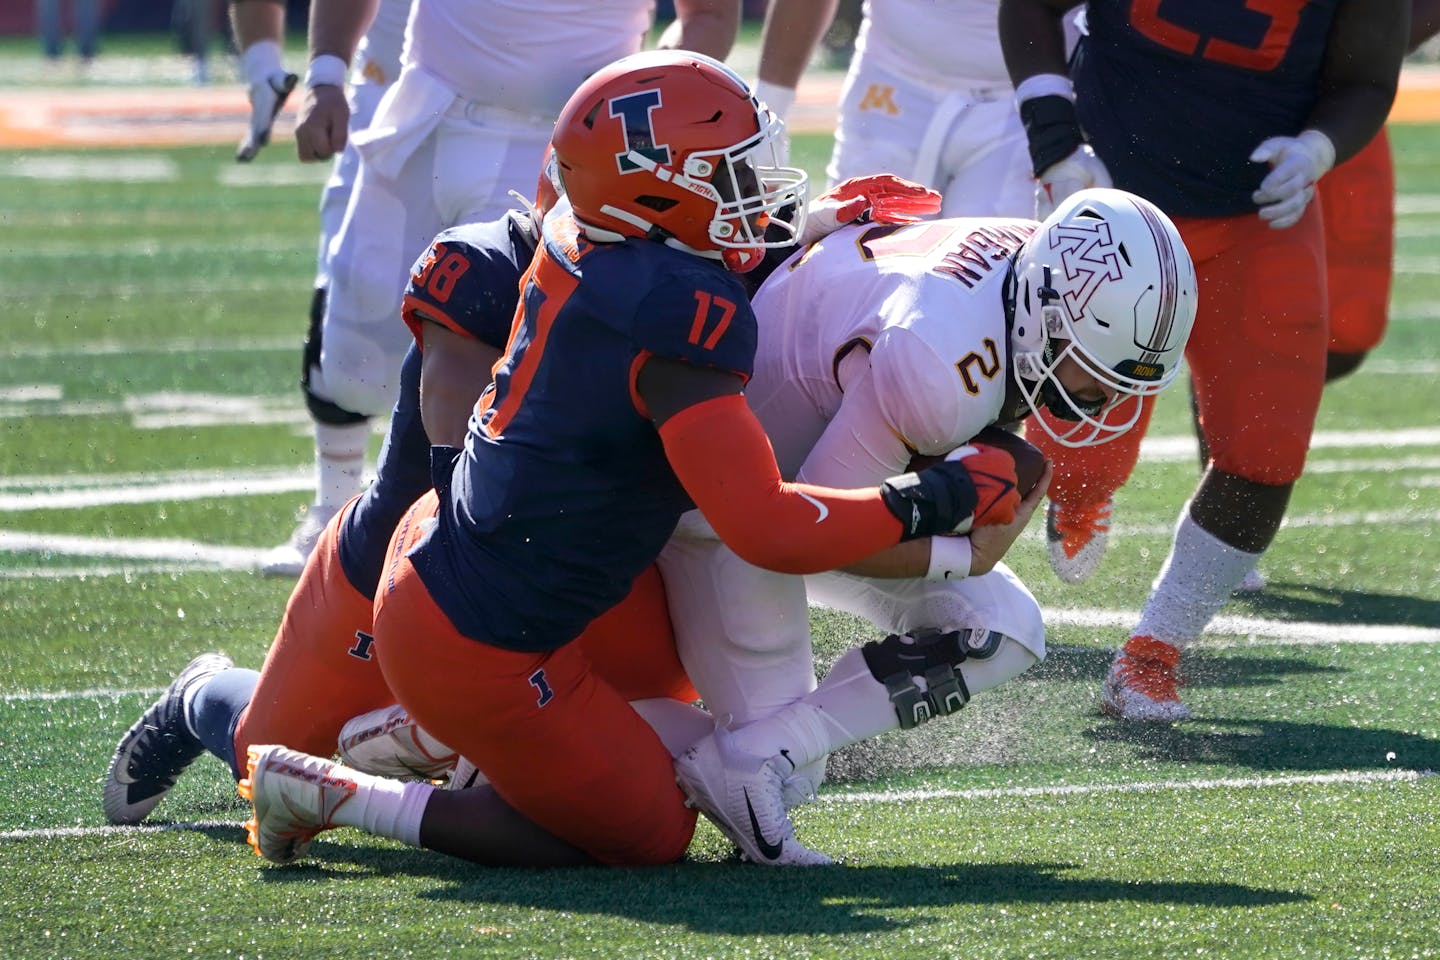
779 99
1045 85
949 558
326 70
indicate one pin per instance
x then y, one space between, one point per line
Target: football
1029 461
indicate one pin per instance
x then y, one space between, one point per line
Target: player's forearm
1362 72
252 21
723 459
1032 37
336 26
1424 21
793 28
703 26
454 370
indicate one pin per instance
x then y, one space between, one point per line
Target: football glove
267 97
974 486
1295 164
878 198
1081 170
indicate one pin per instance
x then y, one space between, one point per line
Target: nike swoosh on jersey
770 850
824 510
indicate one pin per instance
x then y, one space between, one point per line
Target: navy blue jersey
563 494
469 279
478 300
1175 95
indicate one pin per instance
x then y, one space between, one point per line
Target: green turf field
154 442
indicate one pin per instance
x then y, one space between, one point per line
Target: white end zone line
868 796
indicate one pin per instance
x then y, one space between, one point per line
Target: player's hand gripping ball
1029 461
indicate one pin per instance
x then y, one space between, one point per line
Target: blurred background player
479 90
84 23
341 437
1281 94
1357 203
879 344
915 101
258 27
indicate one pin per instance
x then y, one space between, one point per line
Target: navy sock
216 709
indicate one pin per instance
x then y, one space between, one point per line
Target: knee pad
922 672
322 410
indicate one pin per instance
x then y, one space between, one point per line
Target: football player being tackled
968 257
660 345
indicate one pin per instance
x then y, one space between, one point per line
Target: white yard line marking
158 492
1158 786
867 796
1255 631
210 555
96 693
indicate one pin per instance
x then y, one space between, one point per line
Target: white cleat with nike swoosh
743 795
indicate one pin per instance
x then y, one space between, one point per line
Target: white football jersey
524 56
880 342
953 43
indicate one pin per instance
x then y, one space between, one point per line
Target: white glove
267 97
1079 171
1295 164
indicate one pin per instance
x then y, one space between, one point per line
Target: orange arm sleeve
723 459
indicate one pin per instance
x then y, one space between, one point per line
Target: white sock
260 61
339 462
849 705
1196 581
385 807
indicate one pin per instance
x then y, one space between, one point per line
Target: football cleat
387 743
295 797
288 559
1077 537
1144 683
266 101
743 795
1253 583
154 752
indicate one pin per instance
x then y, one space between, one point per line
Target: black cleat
154 752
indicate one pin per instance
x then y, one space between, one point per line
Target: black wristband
931 502
1052 130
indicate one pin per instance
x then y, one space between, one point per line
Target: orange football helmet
673 146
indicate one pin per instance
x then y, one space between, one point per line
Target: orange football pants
1358 201
1257 356
320 670
557 741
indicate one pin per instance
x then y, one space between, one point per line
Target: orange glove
878 198
997 491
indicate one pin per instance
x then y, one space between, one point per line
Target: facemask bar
741 223
1036 371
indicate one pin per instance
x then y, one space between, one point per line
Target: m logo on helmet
1089 256
633 111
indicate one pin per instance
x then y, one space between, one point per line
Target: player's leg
882 122
1258 358
947 642
1082 492
480 156
341 434
985 161
606 785
1358 202
318 673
